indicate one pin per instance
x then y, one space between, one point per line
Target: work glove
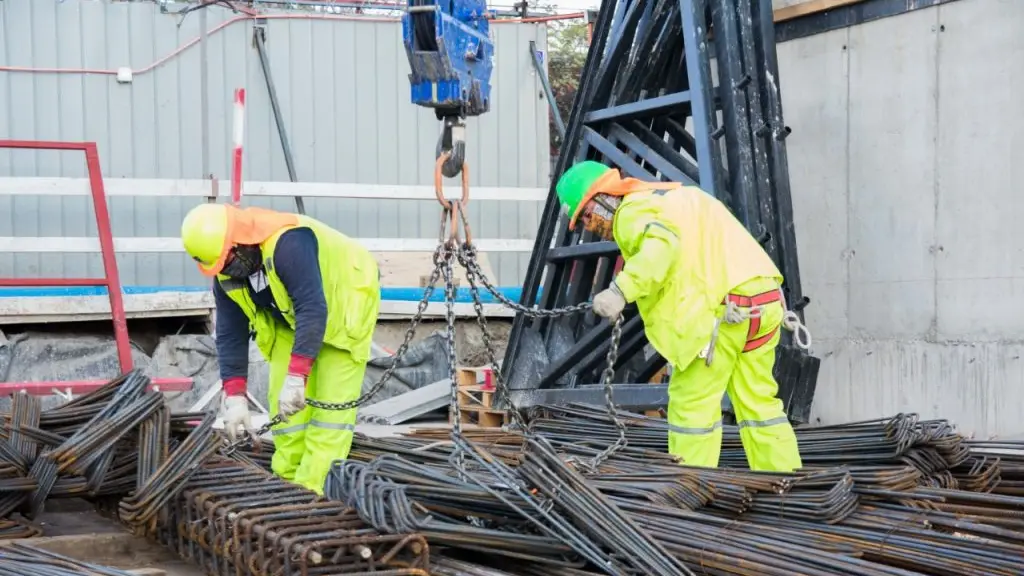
293 396
235 411
609 303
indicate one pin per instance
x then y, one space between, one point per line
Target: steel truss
674 90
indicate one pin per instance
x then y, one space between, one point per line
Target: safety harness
739 309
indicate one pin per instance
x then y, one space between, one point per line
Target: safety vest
351 288
716 254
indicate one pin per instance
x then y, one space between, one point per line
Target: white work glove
293 396
609 303
235 411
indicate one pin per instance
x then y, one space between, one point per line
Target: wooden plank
404 269
43 309
809 7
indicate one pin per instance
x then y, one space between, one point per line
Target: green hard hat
572 187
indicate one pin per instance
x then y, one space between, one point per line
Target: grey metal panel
344 91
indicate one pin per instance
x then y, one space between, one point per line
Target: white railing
200 189
210 190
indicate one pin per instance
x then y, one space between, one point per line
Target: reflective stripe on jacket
683 251
351 288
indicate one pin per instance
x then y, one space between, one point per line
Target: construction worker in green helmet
309 295
711 303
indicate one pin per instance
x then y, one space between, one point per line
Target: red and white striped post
238 133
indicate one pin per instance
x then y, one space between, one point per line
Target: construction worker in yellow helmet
310 296
711 303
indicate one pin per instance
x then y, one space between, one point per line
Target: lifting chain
450 246
609 400
410 333
467 259
530 312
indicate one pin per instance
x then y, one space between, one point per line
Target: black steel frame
648 74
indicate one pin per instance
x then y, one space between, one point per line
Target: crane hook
452 145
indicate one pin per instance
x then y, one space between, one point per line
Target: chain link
606 379
532 311
410 333
457 457
467 257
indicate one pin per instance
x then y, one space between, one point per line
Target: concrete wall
344 91
907 157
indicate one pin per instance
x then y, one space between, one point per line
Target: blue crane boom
450 53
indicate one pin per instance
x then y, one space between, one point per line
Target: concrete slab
45 309
922 310
972 385
892 176
820 136
980 253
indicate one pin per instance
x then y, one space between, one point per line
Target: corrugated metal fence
344 92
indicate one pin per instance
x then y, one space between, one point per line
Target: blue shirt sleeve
232 336
297 264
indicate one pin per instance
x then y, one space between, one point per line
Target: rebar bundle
396 496
90 428
993 466
896 496
161 486
236 519
160 475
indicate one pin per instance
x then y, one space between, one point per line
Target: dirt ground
74 529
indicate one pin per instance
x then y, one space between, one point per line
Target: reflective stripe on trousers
762 423
695 396
694 431
308 443
316 423
741 425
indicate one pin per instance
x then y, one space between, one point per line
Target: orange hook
439 182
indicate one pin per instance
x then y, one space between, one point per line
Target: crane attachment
450 54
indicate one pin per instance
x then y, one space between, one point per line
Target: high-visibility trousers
307 443
741 366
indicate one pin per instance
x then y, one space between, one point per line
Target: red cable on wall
235 20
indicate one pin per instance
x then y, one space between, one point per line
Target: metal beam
259 36
653 69
546 85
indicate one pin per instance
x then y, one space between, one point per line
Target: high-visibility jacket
351 288
683 251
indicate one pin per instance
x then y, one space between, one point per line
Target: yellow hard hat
204 232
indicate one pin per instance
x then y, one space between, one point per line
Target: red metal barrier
111 279
238 131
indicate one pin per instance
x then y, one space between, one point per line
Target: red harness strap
755 323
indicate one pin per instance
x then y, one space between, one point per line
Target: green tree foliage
567 52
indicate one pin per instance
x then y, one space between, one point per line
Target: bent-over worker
711 304
309 295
